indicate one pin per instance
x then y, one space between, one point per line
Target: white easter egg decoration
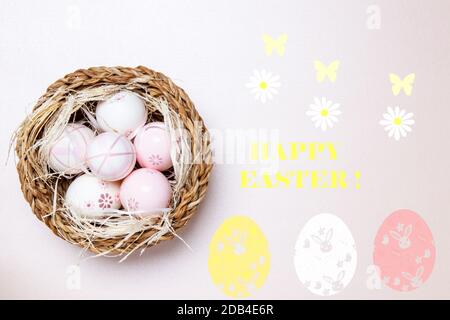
325 255
110 156
89 196
67 153
123 112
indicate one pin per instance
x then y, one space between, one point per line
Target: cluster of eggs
112 181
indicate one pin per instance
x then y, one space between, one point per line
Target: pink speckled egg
404 251
153 145
144 191
68 152
110 156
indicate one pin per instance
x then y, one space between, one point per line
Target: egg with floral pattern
145 192
90 197
325 255
153 146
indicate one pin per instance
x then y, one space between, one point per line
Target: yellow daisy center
324 112
397 121
263 85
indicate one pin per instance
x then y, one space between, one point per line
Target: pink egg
145 190
110 156
153 145
404 251
68 153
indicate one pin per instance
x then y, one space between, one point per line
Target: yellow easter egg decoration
239 258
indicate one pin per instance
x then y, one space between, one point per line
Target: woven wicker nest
73 98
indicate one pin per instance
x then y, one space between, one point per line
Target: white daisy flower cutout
324 113
397 122
263 85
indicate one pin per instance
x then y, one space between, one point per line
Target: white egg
89 196
110 156
325 255
123 112
68 152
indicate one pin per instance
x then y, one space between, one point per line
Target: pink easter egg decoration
404 251
123 113
68 153
111 156
144 191
153 145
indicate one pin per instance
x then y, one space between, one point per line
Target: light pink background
210 49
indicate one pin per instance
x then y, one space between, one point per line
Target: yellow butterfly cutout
278 44
324 71
398 84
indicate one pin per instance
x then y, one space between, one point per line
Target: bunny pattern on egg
404 251
336 284
325 243
325 255
416 281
